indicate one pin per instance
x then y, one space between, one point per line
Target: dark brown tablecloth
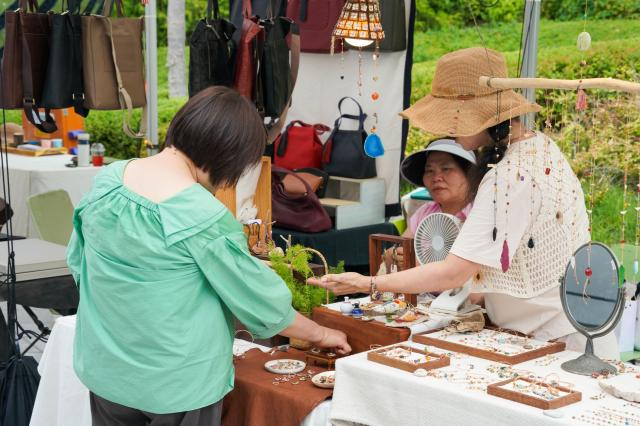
256 401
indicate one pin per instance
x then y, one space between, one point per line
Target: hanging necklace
504 256
373 146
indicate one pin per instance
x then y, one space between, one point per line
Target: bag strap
76 78
361 117
274 129
247 10
107 8
124 98
304 7
212 6
28 5
28 102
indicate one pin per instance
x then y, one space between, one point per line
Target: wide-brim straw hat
412 167
458 105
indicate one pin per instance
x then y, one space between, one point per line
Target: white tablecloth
62 400
372 393
35 175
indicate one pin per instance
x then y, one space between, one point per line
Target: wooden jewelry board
428 339
499 390
376 355
409 257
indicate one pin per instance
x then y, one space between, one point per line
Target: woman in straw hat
528 217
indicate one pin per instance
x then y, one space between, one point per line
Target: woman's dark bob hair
221 132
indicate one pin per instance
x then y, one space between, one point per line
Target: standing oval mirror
592 300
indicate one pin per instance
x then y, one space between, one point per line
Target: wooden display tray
497 389
36 153
552 348
409 256
361 334
440 361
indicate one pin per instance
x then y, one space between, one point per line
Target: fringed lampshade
359 23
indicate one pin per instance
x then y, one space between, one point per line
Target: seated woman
443 168
163 268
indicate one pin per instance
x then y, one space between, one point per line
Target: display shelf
536 394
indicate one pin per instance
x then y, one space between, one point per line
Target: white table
62 400
34 175
375 394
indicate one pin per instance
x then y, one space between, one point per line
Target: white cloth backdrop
319 88
63 400
34 175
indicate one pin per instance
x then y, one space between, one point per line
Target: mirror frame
588 363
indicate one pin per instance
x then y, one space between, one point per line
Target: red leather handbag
246 56
299 146
316 19
298 212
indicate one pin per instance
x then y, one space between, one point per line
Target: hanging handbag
259 9
298 212
113 64
344 150
316 19
248 53
299 146
394 23
211 52
277 74
63 86
24 63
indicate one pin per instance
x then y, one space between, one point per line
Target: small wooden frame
320 357
409 256
499 389
428 339
376 355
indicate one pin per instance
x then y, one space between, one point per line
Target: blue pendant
373 146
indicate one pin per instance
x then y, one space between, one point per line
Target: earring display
285 366
408 358
547 394
498 345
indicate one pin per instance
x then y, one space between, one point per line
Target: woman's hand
334 339
346 283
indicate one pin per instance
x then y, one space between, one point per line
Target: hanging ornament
530 243
495 233
375 96
373 144
588 272
581 100
584 41
504 257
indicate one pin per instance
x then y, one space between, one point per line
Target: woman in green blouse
163 267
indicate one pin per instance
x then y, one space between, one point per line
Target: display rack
376 242
433 360
563 395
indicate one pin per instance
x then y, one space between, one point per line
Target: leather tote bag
24 63
298 212
316 19
299 146
261 9
247 55
344 151
394 23
63 85
212 51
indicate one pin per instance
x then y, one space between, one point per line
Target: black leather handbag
63 85
212 51
394 23
343 153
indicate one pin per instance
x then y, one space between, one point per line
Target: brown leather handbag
293 211
113 64
24 63
247 55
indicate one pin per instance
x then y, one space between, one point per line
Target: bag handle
284 137
247 10
107 8
361 117
283 171
76 83
274 128
28 5
212 5
304 7
123 96
28 102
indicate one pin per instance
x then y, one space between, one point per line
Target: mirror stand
587 363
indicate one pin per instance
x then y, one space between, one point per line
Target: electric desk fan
433 240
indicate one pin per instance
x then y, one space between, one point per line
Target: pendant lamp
359 23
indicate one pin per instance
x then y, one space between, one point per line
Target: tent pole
151 49
530 52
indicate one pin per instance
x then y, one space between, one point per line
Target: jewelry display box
409 364
510 347
549 398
